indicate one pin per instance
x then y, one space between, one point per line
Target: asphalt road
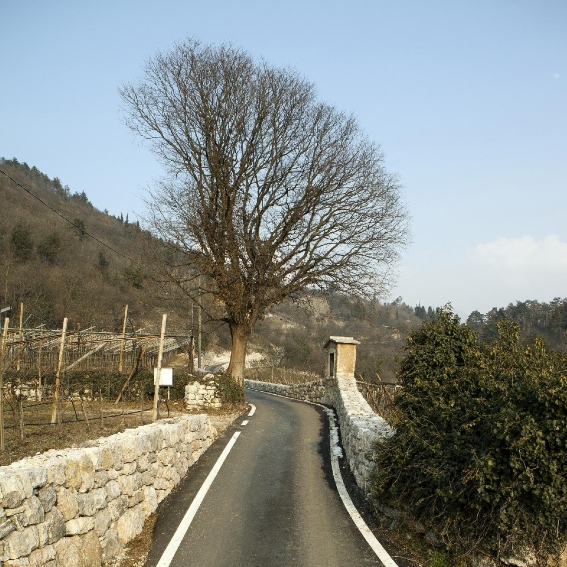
273 502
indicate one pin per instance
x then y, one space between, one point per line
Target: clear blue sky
468 100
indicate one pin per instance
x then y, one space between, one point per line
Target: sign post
156 378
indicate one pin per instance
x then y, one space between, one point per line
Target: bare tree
269 191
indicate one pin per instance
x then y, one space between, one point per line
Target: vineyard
55 377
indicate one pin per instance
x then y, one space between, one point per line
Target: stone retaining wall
309 391
202 394
360 427
78 507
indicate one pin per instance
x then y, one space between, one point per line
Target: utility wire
82 230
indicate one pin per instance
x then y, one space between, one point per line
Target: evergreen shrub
480 450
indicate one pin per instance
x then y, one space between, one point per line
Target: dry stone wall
360 428
309 391
79 507
202 394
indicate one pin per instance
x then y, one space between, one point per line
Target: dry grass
74 429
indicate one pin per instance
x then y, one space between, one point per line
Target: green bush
480 448
229 391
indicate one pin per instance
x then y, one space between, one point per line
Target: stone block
111 545
136 498
117 507
53 528
150 502
130 484
21 562
129 468
12 490
67 503
112 457
147 478
142 463
95 455
112 490
48 497
131 448
55 468
130 524
155 438
29 513
161 484
79 471
102 521
79 551
78 526
86 504
42 557
21 544
6 527
101 478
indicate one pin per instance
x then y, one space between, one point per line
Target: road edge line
175 542
358 520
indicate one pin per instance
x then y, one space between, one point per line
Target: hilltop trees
533 318
269 191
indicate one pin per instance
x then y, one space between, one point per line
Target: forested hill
55 266
57 269
547 320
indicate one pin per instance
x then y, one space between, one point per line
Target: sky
467 99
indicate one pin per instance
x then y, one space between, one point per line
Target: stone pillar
341 357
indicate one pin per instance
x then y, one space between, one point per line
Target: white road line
179 534
245 422
252 410
349 505
370 538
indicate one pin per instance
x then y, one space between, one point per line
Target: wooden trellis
379 395
37 350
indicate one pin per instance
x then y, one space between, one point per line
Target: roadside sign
166 376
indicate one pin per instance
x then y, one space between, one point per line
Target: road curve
272 503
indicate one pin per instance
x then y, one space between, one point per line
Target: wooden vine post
2 351
39 387
21 336
55 410
123 338
157 377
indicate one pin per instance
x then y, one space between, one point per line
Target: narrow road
273 502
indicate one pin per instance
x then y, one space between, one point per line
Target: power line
81 229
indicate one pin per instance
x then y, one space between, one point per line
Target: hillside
57 269
535 318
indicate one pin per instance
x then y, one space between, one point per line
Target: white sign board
165 378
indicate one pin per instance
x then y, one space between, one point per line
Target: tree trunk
240 334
